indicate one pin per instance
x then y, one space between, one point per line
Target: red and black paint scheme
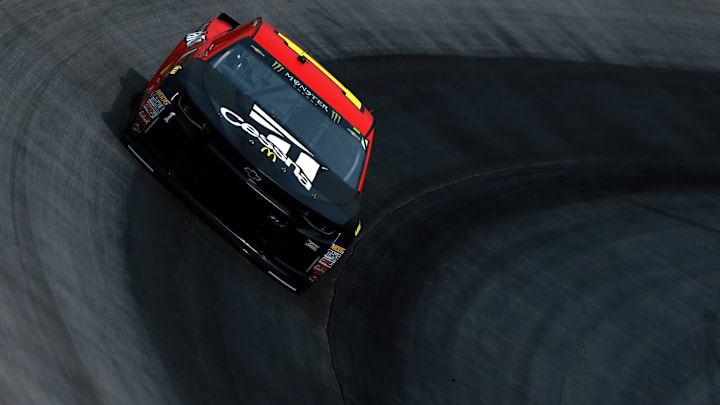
262 141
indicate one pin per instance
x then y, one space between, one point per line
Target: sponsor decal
148 106
136 127
194 38
269 153
329 259
197 36
305 91
162 97
312 245
335 117
313 278
175 69
357 230
277 143
143 116
332 255
277 66
151 108
298 85
320 269
155 104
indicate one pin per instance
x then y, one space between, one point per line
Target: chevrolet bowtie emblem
252 174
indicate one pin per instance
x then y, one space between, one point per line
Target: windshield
334 142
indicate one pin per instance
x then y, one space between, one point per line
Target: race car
262 141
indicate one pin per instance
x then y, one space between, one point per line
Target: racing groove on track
554 284
577 263
617 166
586 274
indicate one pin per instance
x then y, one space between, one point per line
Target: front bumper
279 252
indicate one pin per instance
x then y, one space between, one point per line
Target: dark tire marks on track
580 276
544 284
72 382
447 118
104 272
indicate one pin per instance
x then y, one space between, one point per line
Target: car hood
227 112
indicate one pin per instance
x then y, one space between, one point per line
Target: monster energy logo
305 91
335 117
277 66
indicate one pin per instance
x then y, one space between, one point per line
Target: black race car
262 141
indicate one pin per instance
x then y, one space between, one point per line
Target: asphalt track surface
542 213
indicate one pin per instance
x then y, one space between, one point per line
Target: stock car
262 141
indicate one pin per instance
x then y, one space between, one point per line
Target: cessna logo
277 143
252 174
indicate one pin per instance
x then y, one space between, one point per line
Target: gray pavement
567 283
593 281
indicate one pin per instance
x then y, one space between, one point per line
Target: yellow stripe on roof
344 89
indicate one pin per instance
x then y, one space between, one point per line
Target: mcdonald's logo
269 153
